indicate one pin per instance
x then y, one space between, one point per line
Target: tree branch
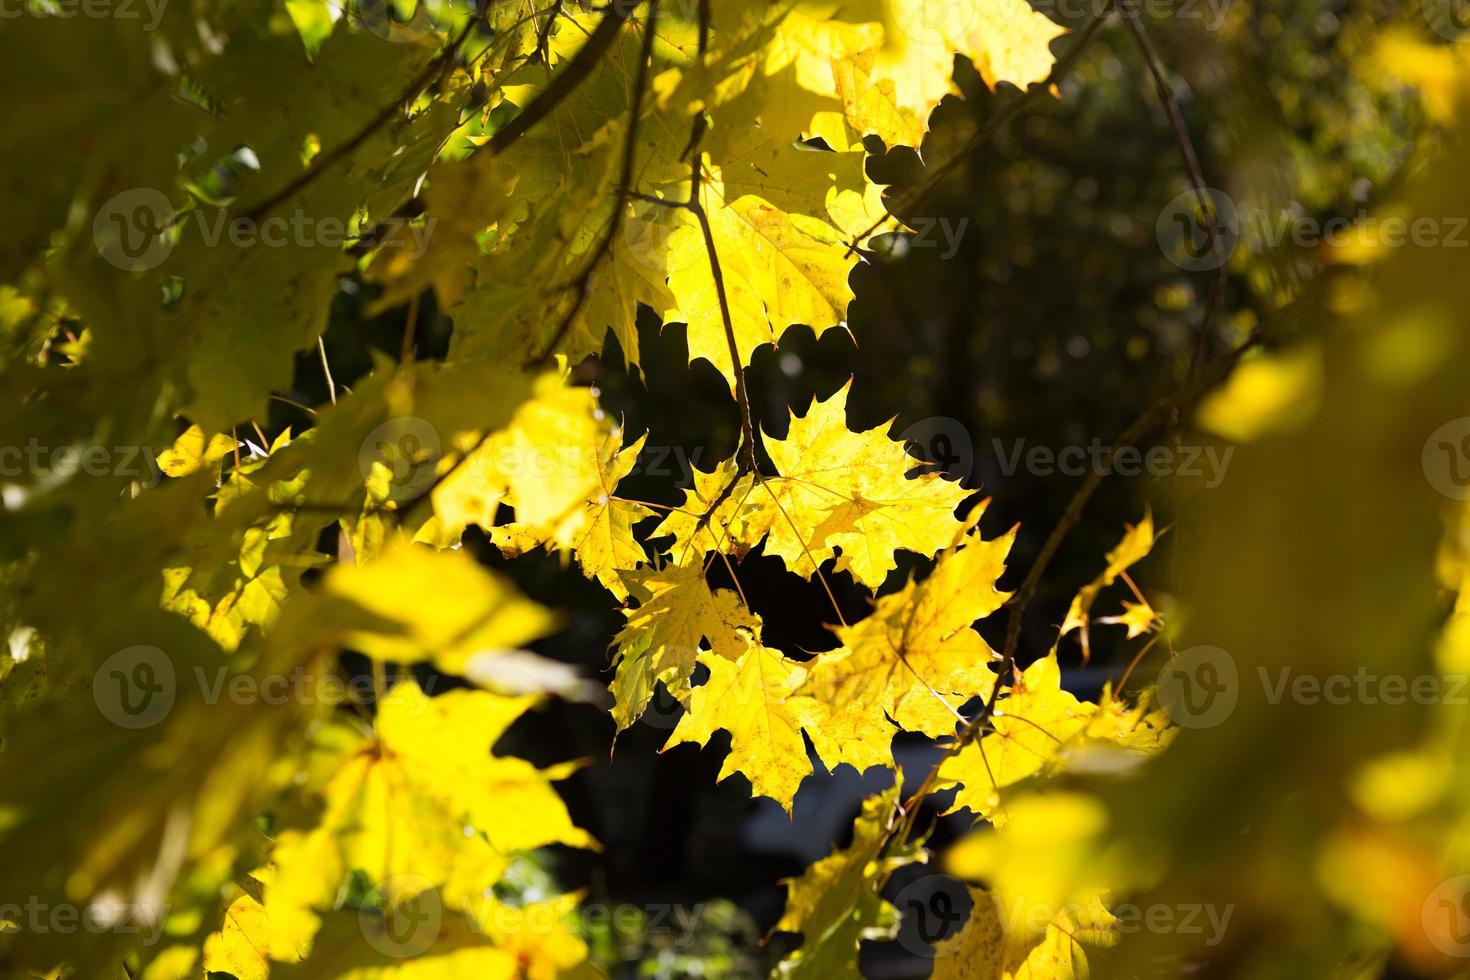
1154 416
564 82
696 206
604 245
325 161
1196 179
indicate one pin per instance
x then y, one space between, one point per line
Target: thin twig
564 82
1156 415
696 207
742 395
1187 154
405 353
275 396
321 346
583 282
325 161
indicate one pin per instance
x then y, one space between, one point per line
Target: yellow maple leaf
662 637
837 902
990 947
242 945
783 246
1138 541
435 605
557 464
190 453
604 544
422 940
1007 41
1039 729
1048 873
463 198
888 64
712 519
837 493
421 803
748 699
1139 617
839 490
914 660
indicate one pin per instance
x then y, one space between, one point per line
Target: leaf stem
583 282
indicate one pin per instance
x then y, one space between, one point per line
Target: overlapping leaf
837 902
837 493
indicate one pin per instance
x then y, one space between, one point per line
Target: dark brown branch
562 85
604 246
564 82
696 206
1156 415
1187 154
742 396
1185 145
326 160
